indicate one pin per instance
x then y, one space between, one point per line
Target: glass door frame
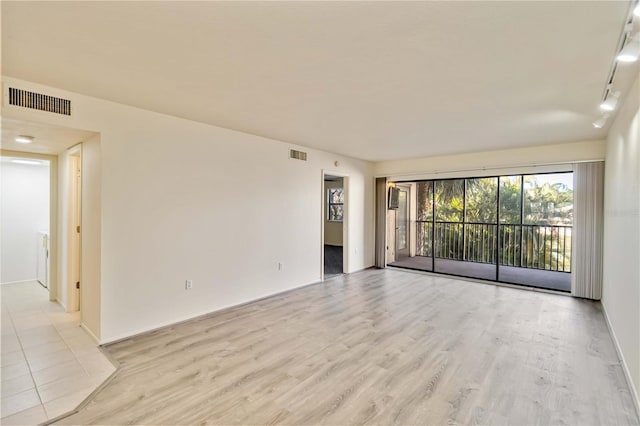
404 252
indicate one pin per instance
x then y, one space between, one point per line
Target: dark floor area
551 280
332 260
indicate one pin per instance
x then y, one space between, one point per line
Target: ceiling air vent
33 100
297 155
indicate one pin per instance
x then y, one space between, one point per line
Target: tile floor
49 363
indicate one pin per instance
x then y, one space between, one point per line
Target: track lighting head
600 122
631 50
610 102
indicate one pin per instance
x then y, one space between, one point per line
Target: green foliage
510 196
482 195
449 200
547 204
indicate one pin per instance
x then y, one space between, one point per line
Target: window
335 203
488 227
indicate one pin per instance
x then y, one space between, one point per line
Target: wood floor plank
376 347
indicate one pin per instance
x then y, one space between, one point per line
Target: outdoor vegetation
523 220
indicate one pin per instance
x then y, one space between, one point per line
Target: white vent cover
298 155
38 101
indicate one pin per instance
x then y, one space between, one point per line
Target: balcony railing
546 247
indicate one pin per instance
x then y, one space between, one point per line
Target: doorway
73 250
334 203
26 217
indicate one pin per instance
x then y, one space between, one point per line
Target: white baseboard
625 368
90 333
62 304
139 332
360 269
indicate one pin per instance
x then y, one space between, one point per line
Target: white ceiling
48 139
373 80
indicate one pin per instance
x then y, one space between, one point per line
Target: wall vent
297 155
33 100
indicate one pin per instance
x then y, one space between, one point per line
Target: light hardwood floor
375 347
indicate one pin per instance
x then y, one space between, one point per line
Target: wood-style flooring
376 347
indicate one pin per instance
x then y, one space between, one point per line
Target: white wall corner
90 333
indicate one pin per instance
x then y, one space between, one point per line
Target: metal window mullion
498 224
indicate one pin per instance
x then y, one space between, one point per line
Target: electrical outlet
188 284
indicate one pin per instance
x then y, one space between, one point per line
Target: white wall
332 230
489 163
91 236
64 243
184 200
24 199
621 277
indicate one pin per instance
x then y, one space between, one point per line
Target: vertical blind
381 218
588 224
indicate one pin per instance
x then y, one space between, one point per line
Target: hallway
49 363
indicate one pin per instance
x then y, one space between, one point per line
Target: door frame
345 219
73 219
405 188
53 213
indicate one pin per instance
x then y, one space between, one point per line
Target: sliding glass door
514 229
402 224
535 233
424 226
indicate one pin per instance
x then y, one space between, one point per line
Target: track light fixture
631 50
600 122
610 102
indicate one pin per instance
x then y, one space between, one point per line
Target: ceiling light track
628 51
610 101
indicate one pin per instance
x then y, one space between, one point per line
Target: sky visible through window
564 178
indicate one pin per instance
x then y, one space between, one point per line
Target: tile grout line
46 412
24 355
45 313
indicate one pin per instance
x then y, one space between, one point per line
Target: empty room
308 213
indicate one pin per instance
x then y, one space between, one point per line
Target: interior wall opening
73 272
334 215
25 201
